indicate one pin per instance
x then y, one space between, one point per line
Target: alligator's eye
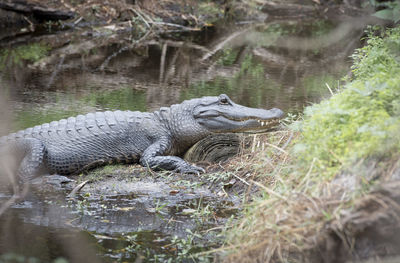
224 101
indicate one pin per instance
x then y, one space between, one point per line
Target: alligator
155 140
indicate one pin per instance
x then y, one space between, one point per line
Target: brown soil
369 231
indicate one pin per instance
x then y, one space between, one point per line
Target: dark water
280 64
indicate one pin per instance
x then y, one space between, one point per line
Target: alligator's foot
189 169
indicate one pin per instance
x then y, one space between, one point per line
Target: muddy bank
370 230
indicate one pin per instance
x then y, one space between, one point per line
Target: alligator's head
220 114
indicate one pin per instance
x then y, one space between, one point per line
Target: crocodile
153 139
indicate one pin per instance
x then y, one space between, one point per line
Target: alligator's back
73 144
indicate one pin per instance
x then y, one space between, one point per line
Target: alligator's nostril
279 113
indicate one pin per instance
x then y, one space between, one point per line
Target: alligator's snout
221 114
277 112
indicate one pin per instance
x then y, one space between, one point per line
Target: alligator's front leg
154 158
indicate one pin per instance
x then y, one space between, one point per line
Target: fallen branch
222 44
38 11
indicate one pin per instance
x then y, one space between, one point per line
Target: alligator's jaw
264 125
248 126
220 114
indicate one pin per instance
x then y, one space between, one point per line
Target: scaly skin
155 140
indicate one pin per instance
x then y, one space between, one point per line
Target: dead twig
177 26
77 189
241 179
276 147
269 191
141 17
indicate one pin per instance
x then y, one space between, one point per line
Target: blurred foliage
364 120
389 10
19 258
210 12
249 79
16 55
228 57
251 85
268 34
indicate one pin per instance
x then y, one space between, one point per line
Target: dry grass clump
298 215
260 154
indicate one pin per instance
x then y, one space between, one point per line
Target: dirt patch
370 230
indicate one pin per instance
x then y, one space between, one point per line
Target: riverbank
337 198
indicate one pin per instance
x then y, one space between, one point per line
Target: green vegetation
267 35
324 174
364 119
390 11
31 53
228 57
210 12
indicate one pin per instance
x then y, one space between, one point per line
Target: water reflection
26 242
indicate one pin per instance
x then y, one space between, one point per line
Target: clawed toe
192 169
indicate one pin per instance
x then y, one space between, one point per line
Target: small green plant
202 212
160 207
228 57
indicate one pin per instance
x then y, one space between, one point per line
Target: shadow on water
56 78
